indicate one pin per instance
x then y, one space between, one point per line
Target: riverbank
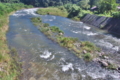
9 65
58 11
9 68
107 23
83 49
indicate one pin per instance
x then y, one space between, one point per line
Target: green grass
55 29
52 11
10 68
87 56
89 47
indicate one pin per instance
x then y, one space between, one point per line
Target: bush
116 14
87 57
88 46
55 29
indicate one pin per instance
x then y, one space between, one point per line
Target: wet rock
43 78
96 59
104 63
84 51
101 54
61 34
105 57
119 68
32 78
77 44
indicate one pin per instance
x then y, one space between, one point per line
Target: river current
44 59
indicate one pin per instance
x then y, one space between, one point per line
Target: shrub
55 29
87 57
116 14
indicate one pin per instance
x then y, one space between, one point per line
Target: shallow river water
44 59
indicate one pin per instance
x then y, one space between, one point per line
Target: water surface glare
44 59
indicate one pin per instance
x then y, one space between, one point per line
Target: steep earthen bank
112 25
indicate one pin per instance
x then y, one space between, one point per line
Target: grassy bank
74 13
9 67
53 11
83 49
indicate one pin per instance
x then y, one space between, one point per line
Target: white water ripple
46 54
67 67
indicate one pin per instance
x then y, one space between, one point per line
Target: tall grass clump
52 11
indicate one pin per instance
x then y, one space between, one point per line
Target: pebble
32 78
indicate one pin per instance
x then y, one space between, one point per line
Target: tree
74 11
107 6
84 4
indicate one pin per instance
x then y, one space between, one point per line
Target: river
44 59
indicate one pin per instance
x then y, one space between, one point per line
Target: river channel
44 59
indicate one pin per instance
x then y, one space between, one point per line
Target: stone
105 57
119 68
101 54
84 51
96 59
32 78
42 78
77 44
61 34
104 63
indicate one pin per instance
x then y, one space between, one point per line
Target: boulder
77 44
105 57
96 59
84 51
61 34
101 54
118 68
104 63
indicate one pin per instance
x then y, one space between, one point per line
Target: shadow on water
44 59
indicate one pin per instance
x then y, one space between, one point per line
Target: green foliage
87 57
116 14
74 11
37 20
107 6
1 57
6 8
89 47
46 25
84 4
52 11
46 3
66 41
7 62
55 29
112 66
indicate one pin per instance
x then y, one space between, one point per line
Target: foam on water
46 54
25 12
88 33
67 67
86 27
104 43
76 32
96 75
